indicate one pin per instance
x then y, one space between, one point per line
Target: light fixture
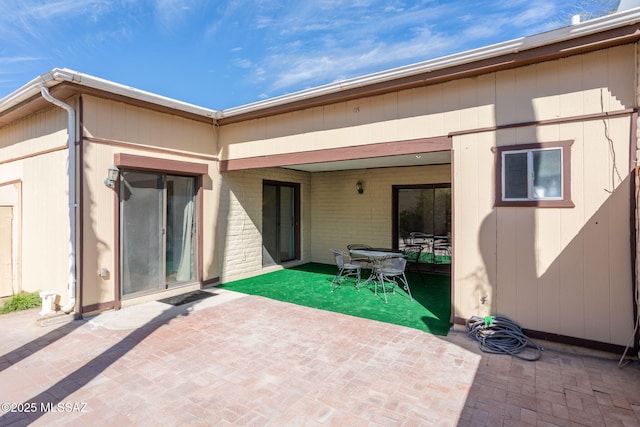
359 188
112 176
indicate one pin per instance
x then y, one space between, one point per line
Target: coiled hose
500 335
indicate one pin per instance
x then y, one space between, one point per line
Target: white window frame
562 201
531 174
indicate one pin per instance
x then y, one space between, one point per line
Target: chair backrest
418 234
412 253
339 257
396 263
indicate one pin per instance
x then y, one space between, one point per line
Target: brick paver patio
244 360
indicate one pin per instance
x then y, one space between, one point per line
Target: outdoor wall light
112 176
359 188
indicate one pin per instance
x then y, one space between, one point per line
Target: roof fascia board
64 75
484 54
101 93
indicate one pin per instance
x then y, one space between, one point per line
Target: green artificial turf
310 285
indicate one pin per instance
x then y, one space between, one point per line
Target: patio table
375 255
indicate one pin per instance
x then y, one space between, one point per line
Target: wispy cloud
345 62
7 60
242 63
325 41
170 14
26 21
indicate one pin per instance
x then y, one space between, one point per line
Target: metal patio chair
391 272
345 269
355 259
412 254
441 248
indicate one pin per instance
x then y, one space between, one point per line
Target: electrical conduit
71 171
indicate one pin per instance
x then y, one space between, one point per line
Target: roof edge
61 75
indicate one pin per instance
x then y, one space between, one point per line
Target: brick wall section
240 220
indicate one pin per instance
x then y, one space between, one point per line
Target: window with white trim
534 175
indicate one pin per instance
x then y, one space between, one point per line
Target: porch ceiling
436 158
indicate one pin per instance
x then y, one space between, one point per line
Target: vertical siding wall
239 231
121 128
565 271
33 152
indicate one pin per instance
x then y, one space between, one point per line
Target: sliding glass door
422 223
280 222
157 231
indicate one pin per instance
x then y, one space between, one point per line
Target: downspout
71 171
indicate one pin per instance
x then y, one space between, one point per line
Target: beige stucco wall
559 270
112 127
33 160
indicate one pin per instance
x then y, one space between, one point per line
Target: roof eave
63 75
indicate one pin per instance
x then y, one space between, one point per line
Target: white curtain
186 253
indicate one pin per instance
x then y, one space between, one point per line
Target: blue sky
222 54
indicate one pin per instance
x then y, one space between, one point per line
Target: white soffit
437 158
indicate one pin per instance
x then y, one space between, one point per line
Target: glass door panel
141 237
423 224
279 223
157 231
415 213
287 224
442 211
269 225
180 230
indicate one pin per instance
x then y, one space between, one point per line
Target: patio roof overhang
419 159
414 152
